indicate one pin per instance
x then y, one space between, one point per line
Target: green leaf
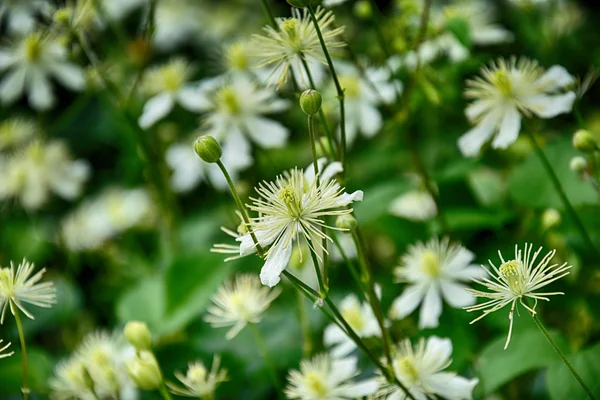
40 369
562 384
530 185
488 186
460 28
528 350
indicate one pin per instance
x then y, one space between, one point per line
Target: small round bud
584 141
550 218
578 164
208 149
310 101
363 9
346 222
138 335
298 3
144 371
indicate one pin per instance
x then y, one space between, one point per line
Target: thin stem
164 392
562 194
25 389
262 346
564 359
350 264
372 295
240 206
269 14
304 325
310 292
315 260
338 87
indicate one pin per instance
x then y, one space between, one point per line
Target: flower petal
456 294
40 91
69 75
266 133
548 106
431 309
470 143
509 128
556 77
155 109
12 86
408 301
277 260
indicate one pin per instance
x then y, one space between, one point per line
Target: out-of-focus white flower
434 270
332 3
117 9
234 107
363 93
479 16
79 15
516 280
361 319
296 39
4 354
507 91
99 219
31 64
324 377
198 381
40 169
16 131
20 14
294 207
238 57
17 286
99 362
348 246
167 84
176 22
239 303
420 369
415 205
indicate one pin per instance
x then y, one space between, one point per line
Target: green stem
338 87
269 14
164 392
328 133
564 359
562 194
304 325
315 260
25 389
350 264
262 346
372 295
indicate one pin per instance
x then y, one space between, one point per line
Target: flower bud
578 164
346 222
550 218
208 149
299 3
584 141
310 101
363 9
138 335
144 371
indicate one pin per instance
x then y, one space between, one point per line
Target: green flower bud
144 371
550 218
208 149
138 335
363 9
584 141
299 3
346 221
578 164
310 101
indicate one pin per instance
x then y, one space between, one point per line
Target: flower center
237 57
197 374
238 303
512 271
315 383
32 47
289 198
406 368
6 287
430 264
172 78
228 100
502 82
354 318
290 27
99 357
351 86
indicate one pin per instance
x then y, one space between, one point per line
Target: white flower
104 356
16 131
3 349
70 381
295 40
507 91
238 303
327 378
516 280
31 64
101 218
361 319
291 208
40 169
363 93
433 271
117 9
415 205
167 86
234 107
198 381
20 14
331 3
17 286
420 369
479 16
176 22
